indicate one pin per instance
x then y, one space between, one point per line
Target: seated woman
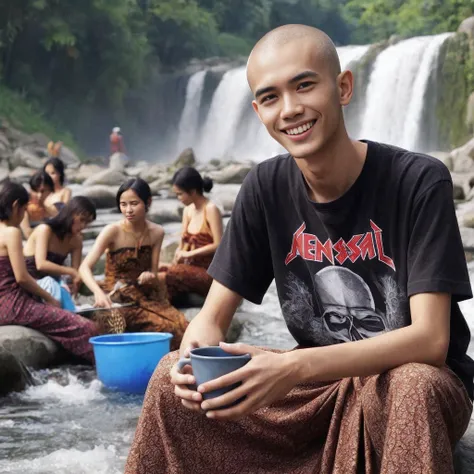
132 248
49 245
22 301
37 209
60 195
201 235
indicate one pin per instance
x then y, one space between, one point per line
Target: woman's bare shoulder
212 208
156 231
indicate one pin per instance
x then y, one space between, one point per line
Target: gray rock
467 26
31 347
84 172
168 250
186 158
108 177
136 170
4 174
160 184
70 158
470 114
153 172
4 141
102 196
37 139
464 181
13 374
25 157
463 158
21 174
467 236
165 210
118 161
224 196
444 157
231 174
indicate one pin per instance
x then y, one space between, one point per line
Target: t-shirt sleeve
436 260
243 260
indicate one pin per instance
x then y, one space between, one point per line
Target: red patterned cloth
19 307
404 421
191 276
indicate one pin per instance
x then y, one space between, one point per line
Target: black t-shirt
345 270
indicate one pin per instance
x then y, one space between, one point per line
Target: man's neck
334 170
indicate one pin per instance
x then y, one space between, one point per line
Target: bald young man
364 245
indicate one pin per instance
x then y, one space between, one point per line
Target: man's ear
255 107
345 83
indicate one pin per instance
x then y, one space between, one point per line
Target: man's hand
268 377
181 379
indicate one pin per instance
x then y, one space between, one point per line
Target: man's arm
210 326
268 377
425 341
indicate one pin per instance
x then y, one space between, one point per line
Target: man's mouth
300 129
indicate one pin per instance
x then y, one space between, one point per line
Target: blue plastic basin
126 362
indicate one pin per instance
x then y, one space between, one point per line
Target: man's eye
305 84
268 97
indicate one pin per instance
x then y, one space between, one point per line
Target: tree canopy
85 56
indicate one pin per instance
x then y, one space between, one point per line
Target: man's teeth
301 129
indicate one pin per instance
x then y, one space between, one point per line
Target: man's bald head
283 35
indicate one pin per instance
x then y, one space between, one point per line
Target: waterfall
189 122
396 90
217 135
389 109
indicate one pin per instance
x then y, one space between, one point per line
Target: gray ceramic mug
212 362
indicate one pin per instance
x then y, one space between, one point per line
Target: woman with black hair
132 248
61 195
49 245
201 235
38 210
22 301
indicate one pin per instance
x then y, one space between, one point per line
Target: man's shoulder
267 171
414 168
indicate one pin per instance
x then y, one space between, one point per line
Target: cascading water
217 135
231 127
396 91
189 122
394 103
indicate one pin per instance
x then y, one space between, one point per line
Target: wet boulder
31 347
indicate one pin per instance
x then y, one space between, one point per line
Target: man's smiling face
297 95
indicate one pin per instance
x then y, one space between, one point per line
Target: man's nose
291 106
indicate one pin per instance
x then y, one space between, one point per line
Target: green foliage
233 46
454 86
81 59
25 115
374 20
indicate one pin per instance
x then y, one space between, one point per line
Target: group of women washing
37 286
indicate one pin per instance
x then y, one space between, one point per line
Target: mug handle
182 362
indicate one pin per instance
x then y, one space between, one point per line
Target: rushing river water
70 424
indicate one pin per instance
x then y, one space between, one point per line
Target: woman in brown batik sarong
201 235
132 248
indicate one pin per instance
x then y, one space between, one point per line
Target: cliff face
454 84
